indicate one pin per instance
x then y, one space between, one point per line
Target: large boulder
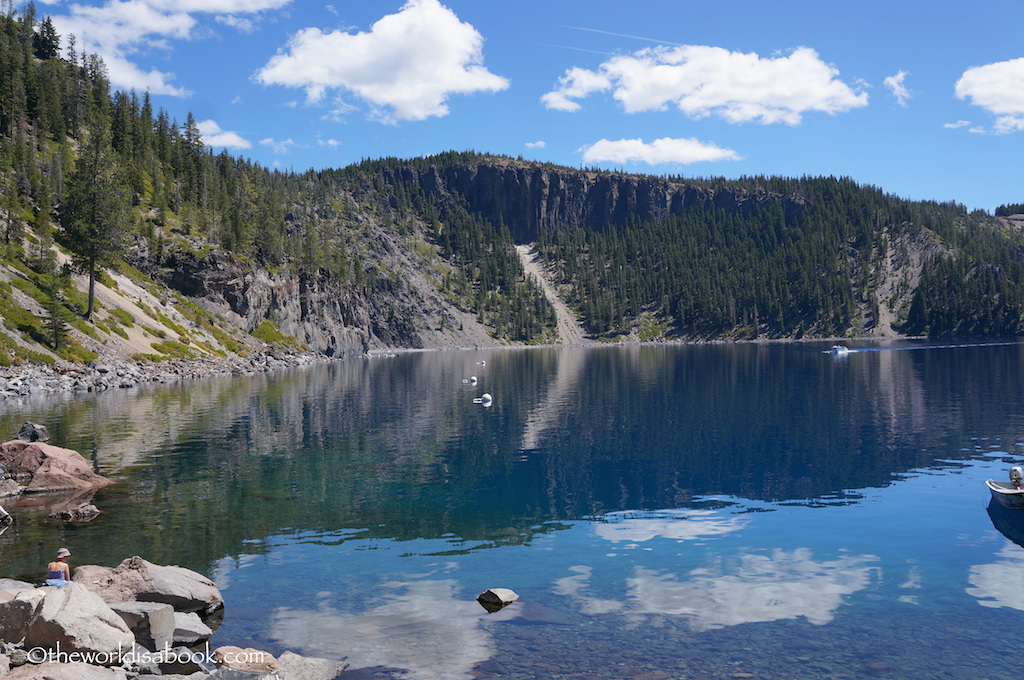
48 468
65 671
138 579
151 622
16 613
78 620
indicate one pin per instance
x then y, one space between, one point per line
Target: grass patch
174 349
269 333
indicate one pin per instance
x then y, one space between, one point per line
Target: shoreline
112 372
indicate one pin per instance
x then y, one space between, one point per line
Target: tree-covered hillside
420 252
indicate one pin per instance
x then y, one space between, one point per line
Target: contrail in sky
626 35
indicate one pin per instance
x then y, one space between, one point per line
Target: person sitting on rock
58 573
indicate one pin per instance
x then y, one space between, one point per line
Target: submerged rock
494 599
82 512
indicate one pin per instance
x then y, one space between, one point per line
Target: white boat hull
1005 494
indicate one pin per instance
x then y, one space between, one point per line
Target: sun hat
63 552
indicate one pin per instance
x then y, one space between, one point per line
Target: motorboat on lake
838 350
1009 494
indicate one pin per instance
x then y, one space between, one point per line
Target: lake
664 512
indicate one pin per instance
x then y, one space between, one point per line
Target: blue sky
923 99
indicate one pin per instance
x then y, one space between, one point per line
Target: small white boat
838 350
1009 494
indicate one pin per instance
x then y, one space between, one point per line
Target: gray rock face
78 620
152 623
137 579
190 629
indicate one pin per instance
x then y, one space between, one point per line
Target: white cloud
958 124
664 150
240 24
577 83
999 89
536 145
332 143
406 66
282 146
703 81
214 136
899 90
120 30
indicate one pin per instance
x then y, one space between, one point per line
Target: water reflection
420 627
743 588
396 447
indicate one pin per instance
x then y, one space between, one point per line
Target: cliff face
405 305
528 198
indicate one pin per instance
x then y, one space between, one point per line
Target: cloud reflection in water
1000 584
747 588
422 628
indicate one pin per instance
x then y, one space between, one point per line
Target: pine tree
95 212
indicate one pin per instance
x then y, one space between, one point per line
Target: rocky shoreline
31 379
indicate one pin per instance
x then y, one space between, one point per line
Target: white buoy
485 398
472 380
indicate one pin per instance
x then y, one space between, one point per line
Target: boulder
248 659
65 671
494 599
49 468
152 623
189 628
9 488
5 664
137 579
297 667
16 614
78 620
31 432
